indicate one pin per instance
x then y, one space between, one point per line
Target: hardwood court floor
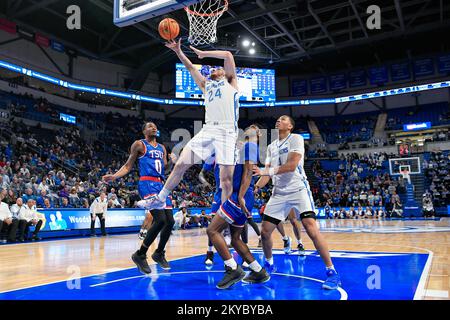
32 264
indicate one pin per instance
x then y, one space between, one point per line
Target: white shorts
220 140
279 206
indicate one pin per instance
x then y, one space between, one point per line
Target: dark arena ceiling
293 36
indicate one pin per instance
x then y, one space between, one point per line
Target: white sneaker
143 234
151 204
287 245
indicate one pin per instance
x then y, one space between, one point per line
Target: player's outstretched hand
199 53
243 206
256 171
174 45
108 178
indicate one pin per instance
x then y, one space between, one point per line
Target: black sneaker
257 277
301 249
259 243
160 258
231 277
141 263
35 238
209 260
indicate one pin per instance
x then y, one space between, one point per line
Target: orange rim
217 13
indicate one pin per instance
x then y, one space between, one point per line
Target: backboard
127 12
399 165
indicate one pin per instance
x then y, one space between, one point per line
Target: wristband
271 172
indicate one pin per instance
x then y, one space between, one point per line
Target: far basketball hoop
203 17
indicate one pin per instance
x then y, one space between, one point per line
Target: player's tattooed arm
247 176
290 166
263 180
195 73
137 149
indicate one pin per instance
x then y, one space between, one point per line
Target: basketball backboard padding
128 12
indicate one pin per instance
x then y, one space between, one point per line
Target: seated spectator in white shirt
8 225
29 214
180 219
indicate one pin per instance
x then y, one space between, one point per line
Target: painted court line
87 276
436 293
344 295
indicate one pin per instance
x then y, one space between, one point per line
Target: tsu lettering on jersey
151 163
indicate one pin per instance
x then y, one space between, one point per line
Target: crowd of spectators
436 171
66 173
359 181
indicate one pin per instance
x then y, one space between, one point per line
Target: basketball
169 29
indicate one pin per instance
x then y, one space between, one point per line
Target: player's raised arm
229 63
137 148
196 75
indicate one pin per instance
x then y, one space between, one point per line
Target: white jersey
221 103
277 155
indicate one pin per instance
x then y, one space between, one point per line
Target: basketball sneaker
287 245
257 277
143 234
231 277
333 280
301 249
269 267
160 258
209 260
141 263
151 203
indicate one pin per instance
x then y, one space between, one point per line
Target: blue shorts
150 188
216 202
231 210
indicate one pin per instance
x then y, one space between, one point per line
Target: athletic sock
286 238
231 263
163 194
331 268
142 251
255 266
300 242
210 248
270 261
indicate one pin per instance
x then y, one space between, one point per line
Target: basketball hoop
203 17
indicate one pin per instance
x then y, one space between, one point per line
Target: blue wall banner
400 71
444 63
378 75
77 219
357 78
424 67
338 82
299 87
318 85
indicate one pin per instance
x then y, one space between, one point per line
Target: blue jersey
151 163
249 152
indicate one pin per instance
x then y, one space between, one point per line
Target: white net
203 17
